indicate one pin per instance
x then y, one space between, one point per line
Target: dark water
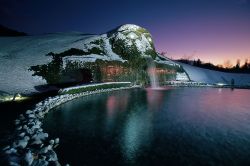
183 126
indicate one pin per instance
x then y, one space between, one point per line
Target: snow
128 34
18 54
88 45
105 46
108 49
91 85
143 44
128 27
181 77
132 35
214 77
82 59
165 61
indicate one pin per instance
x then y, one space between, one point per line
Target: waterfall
154 82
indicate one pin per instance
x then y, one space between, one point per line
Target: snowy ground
212 77
17 54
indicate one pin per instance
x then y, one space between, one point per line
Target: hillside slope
210 76
19 54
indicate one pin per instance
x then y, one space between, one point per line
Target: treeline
228 67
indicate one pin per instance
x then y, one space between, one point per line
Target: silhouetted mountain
4 31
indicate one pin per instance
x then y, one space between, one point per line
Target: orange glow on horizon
219 60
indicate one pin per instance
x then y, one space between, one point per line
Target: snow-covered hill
124 44
18 54
210 76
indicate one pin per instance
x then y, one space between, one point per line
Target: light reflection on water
183 126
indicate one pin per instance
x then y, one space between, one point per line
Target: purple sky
212 30
211 39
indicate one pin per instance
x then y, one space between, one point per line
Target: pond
170 126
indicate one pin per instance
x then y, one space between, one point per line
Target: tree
237 66
198 63
228 64
245 67
164 53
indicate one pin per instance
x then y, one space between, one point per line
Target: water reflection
182 126
137 133
117 103
114 105
155 98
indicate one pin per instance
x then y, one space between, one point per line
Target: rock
12 163
51 142
49 147
31 120
21 143
54 163
57 140
27 138
31 124
11 151
22 134
40 115
36 126
25 127
40 130
29 158
40 162
55 146
21 117
17 122
43 157
40 136
28 112
31 116
36 142
39 104
44 150
6 148
52 156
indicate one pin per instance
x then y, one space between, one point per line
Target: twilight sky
212 30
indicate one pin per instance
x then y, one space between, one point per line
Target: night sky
212 30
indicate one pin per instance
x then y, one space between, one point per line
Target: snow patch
214 77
